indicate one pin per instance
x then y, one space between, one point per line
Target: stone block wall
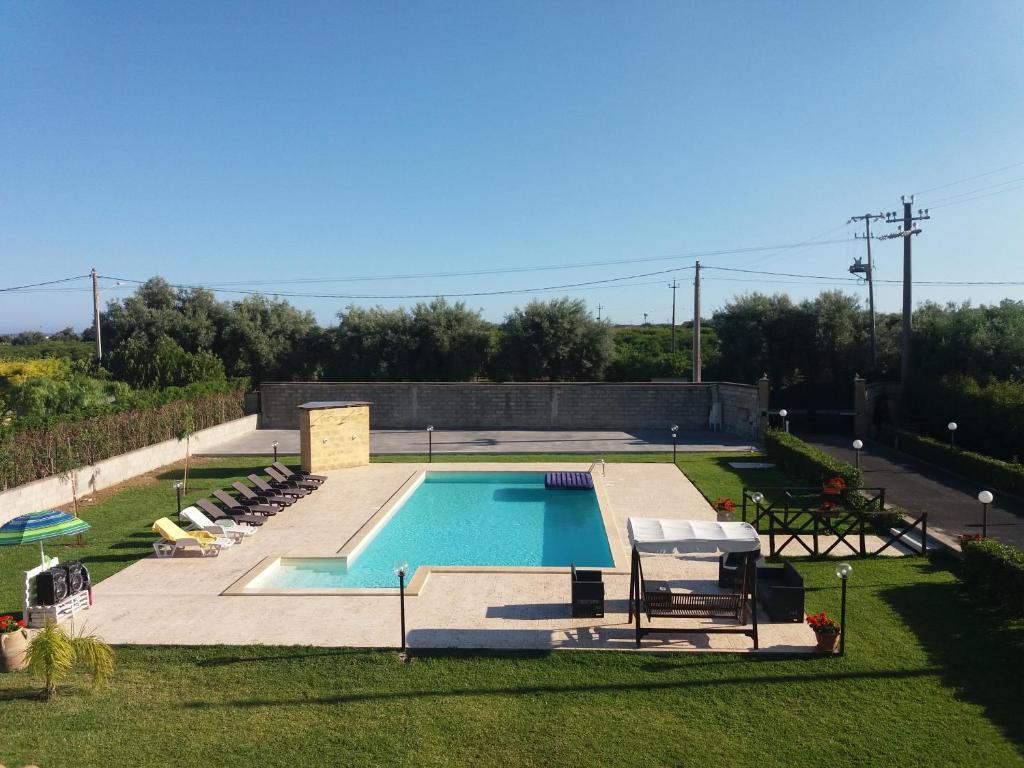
562 406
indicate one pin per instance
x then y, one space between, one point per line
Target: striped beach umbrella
39 526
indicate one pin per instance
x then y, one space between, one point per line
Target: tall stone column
764 389
334 435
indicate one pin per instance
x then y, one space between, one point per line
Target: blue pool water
466 518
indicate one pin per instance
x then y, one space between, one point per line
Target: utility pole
908 231
696 323
96 314
674 284
869 273
599 311
645 318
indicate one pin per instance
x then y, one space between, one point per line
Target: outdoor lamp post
985 497
400 571
675 439
274 445
177 489
783 414
430 443
843 571
857 445
952 433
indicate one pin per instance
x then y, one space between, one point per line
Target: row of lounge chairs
213 527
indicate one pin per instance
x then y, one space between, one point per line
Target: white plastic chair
715 417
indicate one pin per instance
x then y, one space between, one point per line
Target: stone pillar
334 435
860 407
764 390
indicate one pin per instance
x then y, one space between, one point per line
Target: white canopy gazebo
653 536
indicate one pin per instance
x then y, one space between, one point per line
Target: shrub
995 571
798 459
48 447
985 470
991 417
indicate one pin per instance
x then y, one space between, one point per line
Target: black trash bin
587 594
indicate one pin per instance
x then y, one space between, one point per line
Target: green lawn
929 679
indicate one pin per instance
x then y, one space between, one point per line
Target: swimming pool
462 519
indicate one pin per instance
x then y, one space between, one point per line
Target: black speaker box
51 586
77 577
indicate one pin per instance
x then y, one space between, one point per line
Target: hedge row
996 572
984 470
990 417
797 459
51 449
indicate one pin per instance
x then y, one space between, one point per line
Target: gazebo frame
657 602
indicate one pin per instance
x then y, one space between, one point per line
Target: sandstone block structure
334 434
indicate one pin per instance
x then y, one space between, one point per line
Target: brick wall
582 406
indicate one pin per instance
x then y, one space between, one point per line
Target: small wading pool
463 519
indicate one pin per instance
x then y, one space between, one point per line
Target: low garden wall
565 406
56 490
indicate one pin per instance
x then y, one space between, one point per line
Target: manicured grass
929 679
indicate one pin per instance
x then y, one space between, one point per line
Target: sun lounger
248 497
217 514
308 485
201 522
276 487
234 505
173 538
298 474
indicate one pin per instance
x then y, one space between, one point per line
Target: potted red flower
834 486
726 505
13 644
969 538
825 630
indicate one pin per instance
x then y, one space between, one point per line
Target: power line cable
1017 180
48 282
969 178
978 197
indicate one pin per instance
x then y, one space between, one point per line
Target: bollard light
757 497
985 497
783 413
430 443
675 439
843 571
177 489
952 434
857 445
274 446
400 570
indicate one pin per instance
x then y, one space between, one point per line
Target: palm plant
54 652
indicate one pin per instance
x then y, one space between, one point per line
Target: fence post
743 508
924 533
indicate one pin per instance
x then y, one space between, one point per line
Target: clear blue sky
214 142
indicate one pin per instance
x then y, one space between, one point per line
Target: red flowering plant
724 504
821 623
834 486
827 506
969 538
8 624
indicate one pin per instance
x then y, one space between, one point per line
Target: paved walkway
950 501
260 442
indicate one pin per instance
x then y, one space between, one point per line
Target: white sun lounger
200 522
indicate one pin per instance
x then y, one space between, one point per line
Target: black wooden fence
804 514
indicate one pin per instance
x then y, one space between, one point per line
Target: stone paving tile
179 600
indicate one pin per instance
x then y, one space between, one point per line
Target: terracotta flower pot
13 650
827 640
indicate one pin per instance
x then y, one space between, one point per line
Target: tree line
165 336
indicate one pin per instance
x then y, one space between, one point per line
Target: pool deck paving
260 442
179 600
